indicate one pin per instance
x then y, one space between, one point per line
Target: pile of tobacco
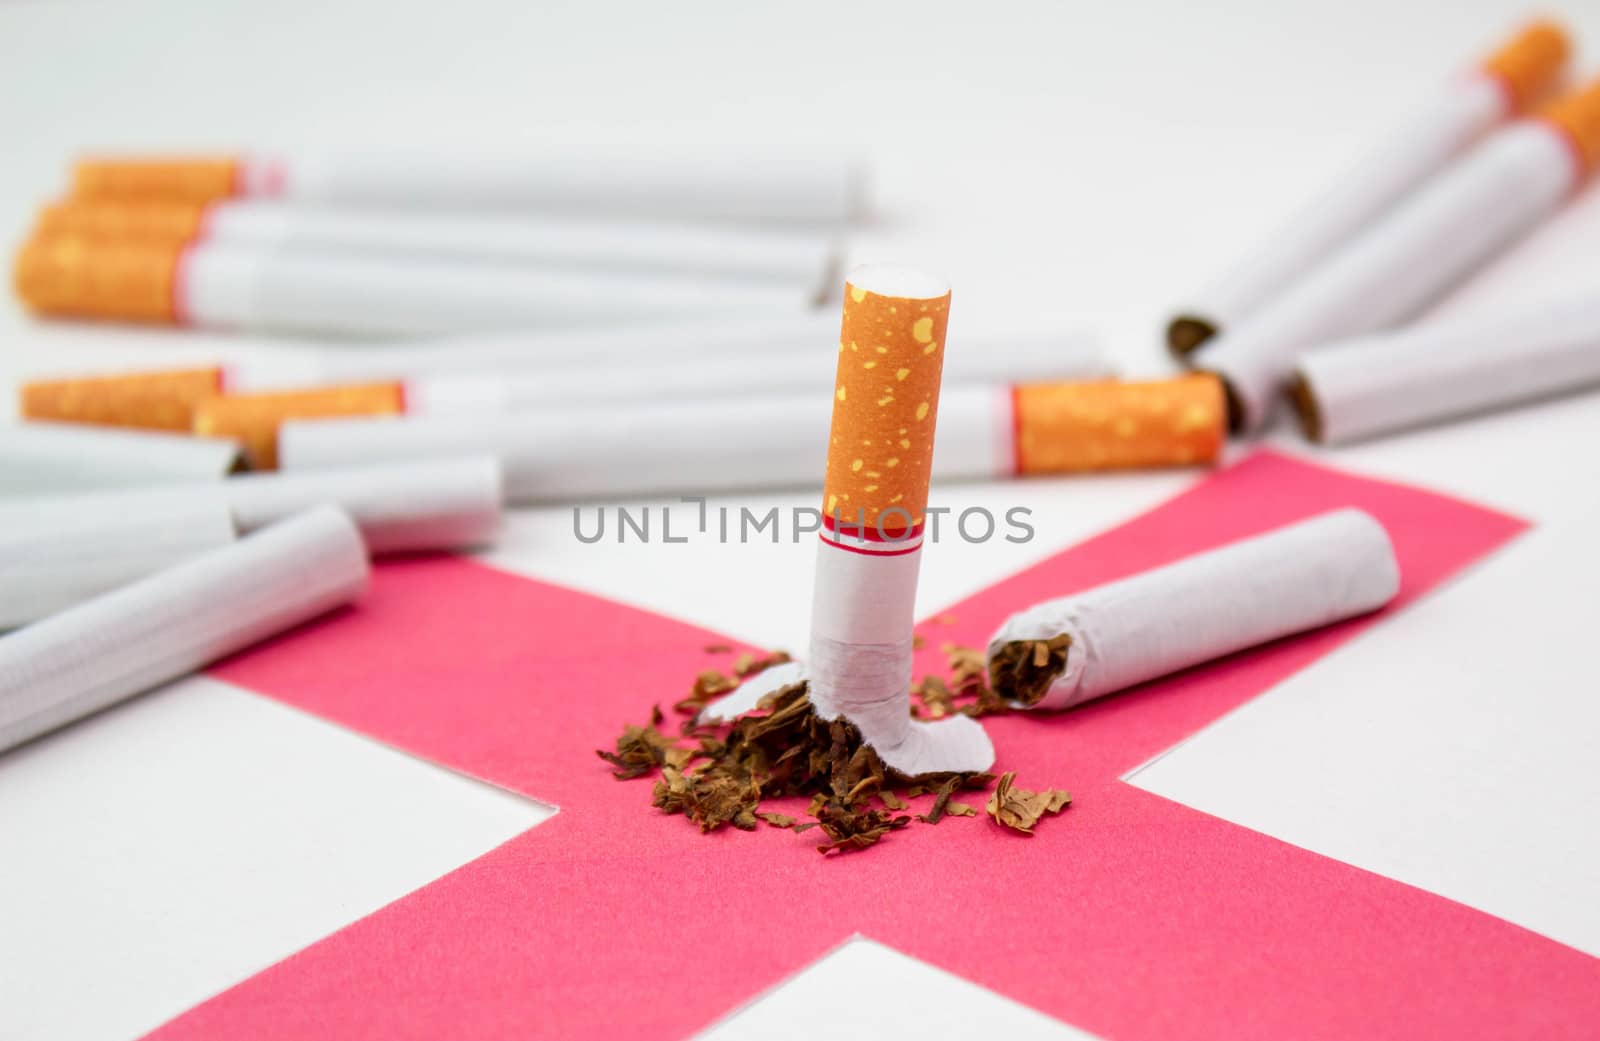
721 774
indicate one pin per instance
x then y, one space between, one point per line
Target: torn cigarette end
79 277
253 419
148 400
1110 424
197 179
1528 65
1021 671
1305 406
886 398
1186 333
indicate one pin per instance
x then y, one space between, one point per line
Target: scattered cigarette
253 419
802 260
1065 652
875 495
162 400
1477 207
106 650
427 506
219 285
58 552
1456 114
1072 427
42 458
1434 372
754 190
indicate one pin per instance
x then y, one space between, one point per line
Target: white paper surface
43 458
171 623
1331 567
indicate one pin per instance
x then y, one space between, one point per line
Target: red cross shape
1130 916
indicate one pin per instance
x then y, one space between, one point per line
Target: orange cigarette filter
82 277
150 400
885 405
1109 424
1577 116
253 419
119 219
199 179
1529 65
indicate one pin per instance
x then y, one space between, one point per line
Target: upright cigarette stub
1065 652
875 496
162 400
58 552
1488 199
127 641
1523 70
1435 372
253 419
1109 425
44 458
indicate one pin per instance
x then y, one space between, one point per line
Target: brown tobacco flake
892 801
1023 670
777 820
640 749
718 648
1020 809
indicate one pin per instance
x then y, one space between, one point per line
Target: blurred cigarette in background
1440 371
1520 73
777 441
44 458
226 286
1477 207
755 191
124 642
802 260
1065 652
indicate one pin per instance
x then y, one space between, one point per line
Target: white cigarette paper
1475 208
47 458
1433 372
1334 566
55 553
125 642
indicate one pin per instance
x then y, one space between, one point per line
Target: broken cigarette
45 458
1065 652
754 190
1486 200
252 420
802 260
108 649
227 286
875 495
1440 371
758 441
1459 112
427 506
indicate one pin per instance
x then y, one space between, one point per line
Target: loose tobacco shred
639 749
1023 670
1020 809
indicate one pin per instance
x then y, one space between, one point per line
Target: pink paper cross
1129 916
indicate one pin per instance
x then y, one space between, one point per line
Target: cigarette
58 552
1062 653
803 260
427 506
777 441
124 642
773 191
253 420
227 286
1455 115
41 458
1434 372
1490 197
515 385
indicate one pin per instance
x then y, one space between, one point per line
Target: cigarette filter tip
196 179
117 219
148 400
1110 424
76 276
253 419
1577 117
1528 66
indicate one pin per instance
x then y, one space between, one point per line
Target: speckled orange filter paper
253 419
121 219
1109 424
1528 65
1577 116
82 277
199 178
151 400
885 404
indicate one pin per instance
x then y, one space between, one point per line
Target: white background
1069 163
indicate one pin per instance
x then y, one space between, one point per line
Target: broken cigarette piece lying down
1065 652
880 457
